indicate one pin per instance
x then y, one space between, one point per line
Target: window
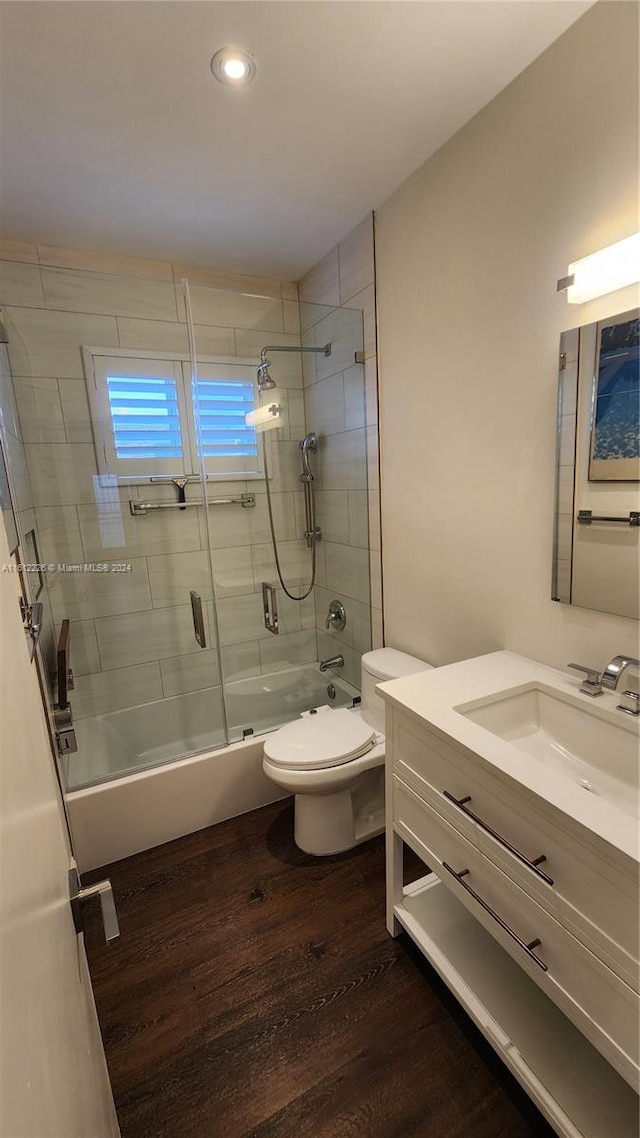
148 421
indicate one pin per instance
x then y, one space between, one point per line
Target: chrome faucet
594 684
332 662
615 669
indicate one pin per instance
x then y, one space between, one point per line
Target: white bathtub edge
135 813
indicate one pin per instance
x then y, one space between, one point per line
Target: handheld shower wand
308 445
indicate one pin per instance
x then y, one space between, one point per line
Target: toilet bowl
333 762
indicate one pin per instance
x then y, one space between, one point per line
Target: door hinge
32 622
66 742
79 894
65 732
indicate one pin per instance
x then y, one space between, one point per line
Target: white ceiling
115 136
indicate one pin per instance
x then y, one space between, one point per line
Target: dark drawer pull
532 865
503 925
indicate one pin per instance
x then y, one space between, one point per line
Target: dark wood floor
254 991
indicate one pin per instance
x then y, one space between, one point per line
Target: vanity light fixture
233 66
605 271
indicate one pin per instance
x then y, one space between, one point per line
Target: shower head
265 382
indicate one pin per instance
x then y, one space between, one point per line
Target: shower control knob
336 617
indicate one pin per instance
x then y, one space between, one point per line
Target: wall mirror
597 510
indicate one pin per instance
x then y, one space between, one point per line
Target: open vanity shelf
571 1084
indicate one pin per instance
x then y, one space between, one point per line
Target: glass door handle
64 673
198 619
66 741
270 608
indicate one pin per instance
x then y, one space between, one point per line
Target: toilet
333 762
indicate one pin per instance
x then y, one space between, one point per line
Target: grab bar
183 478
270 608
139 508
198 619
586 517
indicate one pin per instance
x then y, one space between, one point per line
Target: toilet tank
384 664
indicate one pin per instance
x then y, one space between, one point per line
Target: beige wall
341 406
468 253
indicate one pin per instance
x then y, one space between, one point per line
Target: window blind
220 410
145 416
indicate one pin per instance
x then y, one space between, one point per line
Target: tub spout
332 662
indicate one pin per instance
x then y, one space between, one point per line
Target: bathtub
149 774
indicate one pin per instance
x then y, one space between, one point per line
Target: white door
54 1081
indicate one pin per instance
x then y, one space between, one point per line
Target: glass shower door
112 497
154 621
250 443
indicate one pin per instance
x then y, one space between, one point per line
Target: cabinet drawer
597 900
600 1004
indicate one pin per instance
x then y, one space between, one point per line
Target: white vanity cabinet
529 915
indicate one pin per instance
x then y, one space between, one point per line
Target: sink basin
585 745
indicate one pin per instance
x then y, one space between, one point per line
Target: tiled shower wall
342 406
14 447
131 634
16 462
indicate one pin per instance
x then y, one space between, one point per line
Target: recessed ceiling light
233 66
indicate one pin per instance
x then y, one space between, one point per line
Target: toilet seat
320 741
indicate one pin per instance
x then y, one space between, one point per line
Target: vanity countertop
445 696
